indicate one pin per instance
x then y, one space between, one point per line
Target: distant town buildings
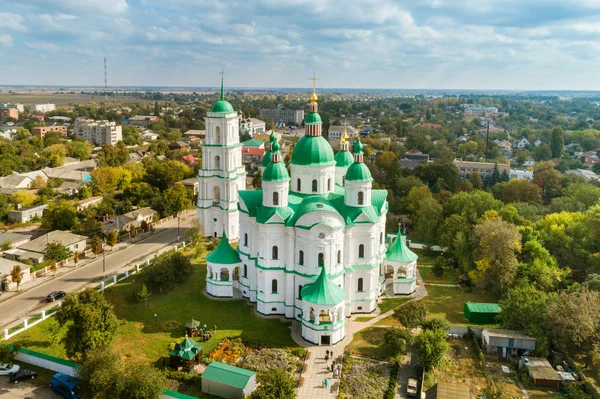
42 130
99 132
20 107
522 143
42 108
587 175
252 126
466 168
481 111
142 120
9 111
24 215
521 174
335 132
295 116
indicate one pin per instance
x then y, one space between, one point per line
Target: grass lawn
449 276
448 303
368 342
391 303
362 319
145 332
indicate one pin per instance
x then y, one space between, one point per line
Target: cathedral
311 241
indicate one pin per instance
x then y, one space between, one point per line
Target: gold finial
313 97
344 138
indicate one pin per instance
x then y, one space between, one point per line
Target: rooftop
62 236
476 307
228 375
500 333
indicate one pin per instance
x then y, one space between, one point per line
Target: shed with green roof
482 313
227 381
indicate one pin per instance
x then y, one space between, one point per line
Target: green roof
275 171
224 253
399 252
323 291
266 159
358 171
222 105
312 117
187 349
312 150
192 323
314 203
253 143
476 307
358 147
265 213
343 158
227 375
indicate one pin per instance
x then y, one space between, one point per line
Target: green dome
343 159
266 159
313 117
399 252
358 147
224 254
323 291
275 147
275 171
358 172
222 106
311 150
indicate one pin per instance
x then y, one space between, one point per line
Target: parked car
23 374
53 296
412 388
7 369
65 386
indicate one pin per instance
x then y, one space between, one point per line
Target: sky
412 44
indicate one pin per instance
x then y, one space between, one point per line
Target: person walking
326 382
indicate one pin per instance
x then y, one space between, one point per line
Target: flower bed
364 379
229 351
269 358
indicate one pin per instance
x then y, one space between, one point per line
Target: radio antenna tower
105 84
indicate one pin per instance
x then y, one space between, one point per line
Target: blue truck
65 386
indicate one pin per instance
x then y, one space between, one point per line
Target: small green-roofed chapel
185 354
482 313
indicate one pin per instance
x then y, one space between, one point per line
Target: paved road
34 298
25 390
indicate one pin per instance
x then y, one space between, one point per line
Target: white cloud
42 46
6 40
168 35
111 7
12 21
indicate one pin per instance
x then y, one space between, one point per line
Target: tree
96 245
411 315
143 294
521 191
175 200
80 149
83 192
437 324
76 258
55 155
257 180
471 205
60 216
397 340
53 267
164 174
56 251
182 267
548 180
475 179
112 238
145 226
110 155
107 179
25 198
90 320
557 142
574 317
159 275
274 384
104 375
496 255
431 346
132 231
523 307
16 276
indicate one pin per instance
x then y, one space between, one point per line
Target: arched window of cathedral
361 251
314 186
328 184
344 181
245 270
224 274
275 253
361 198
216 195
218 135
299 184
311 315
246 239
360 285
299 292
339 256
275 198
301 257
321 259
381 237
274 286
217 162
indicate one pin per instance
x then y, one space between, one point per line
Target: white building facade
42 107
223 174
99 132
311 243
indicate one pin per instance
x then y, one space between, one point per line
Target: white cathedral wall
352 190
306 174
340 174
281 187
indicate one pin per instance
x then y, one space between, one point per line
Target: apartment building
41 131
99 132
284 115
9 111
466 168
42 108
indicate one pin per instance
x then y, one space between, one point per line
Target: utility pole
103 260
487 141
105 82
178 217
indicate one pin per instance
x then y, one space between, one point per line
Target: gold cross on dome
222 74
314 79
